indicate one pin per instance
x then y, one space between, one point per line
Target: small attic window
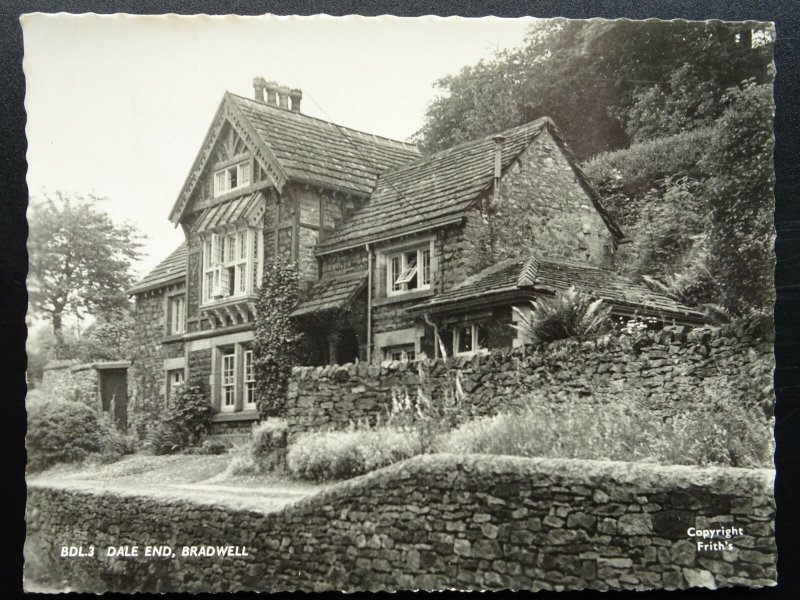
231 178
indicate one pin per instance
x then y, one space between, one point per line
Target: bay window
231 264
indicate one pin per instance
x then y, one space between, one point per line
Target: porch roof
332 292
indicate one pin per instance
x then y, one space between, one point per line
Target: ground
200 478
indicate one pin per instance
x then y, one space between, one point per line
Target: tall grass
719 434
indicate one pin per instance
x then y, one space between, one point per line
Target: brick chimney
277 95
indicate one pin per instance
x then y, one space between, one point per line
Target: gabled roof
320 152
169 271
443 185
518 279
295 146
332 293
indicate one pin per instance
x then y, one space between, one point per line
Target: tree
740 193
277 342
79 258
604 83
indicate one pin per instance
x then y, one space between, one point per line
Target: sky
118 106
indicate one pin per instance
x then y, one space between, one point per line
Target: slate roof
428 191
521 278
227 212
321 152
332 293
170 270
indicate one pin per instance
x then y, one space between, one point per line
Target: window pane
232 178
479 336
464 335
231 248
425 271
241 278
395 270
244 173
242 245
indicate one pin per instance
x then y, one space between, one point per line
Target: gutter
369 304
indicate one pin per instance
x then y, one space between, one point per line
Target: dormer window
231 178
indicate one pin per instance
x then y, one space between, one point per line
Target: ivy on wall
277 340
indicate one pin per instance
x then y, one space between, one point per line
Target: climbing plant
277 340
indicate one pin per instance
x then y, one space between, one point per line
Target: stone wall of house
663 372
544 208
433 522
146 377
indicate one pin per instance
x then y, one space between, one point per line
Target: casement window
408 271
401 353
177 314
231 178
231 264
175 379
228 387
465 338
249 381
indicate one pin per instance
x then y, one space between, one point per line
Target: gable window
228 382
177 314
408 271
231 178
249 381
231 264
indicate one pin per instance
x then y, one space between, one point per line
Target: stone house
392 247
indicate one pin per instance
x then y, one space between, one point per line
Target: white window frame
177 314
232 177
403 265
228 382
173 386
221 259
400 353
249 380
474 338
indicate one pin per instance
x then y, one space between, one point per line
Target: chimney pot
296 95
283 97
258 87
272 92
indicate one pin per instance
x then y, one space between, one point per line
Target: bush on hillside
327 456
736 436
62 431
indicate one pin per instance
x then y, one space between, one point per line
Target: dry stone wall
436 521
663 371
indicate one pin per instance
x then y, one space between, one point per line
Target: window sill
419 295
242 415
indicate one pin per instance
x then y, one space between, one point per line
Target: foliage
719 433
571 313
277 339
108 338
185 419
604 83
326 456
62 431
740 193
80 260
268 435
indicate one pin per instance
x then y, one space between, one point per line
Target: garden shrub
185 421
719 434
268 447
326 456
63 431
570 314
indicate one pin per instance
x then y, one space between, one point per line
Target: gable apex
228 113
